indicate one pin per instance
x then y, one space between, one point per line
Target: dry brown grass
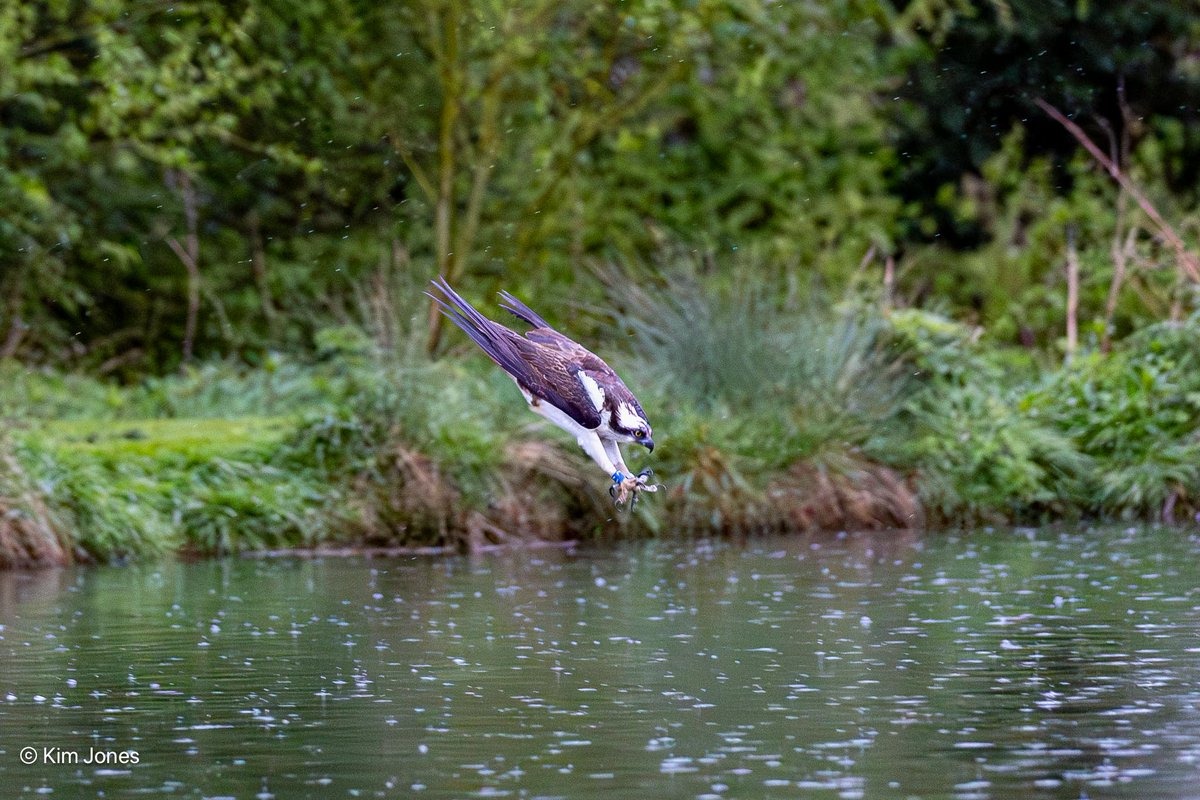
30 534
858 495
851 494
409 500
544 495
713 495
540 495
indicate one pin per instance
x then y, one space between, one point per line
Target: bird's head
629 425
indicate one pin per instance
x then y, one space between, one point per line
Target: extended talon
643 481
625 487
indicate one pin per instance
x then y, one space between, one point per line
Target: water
989 665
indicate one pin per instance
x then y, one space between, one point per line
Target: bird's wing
552 339
594 368
592 364
549 373
543 334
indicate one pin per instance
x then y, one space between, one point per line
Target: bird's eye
640 433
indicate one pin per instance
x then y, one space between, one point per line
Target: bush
982 457
1137 413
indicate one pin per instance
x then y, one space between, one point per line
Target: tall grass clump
774 416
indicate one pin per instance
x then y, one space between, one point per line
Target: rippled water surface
1005 664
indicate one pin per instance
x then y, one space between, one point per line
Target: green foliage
277 386
981 454
103 105
112 512
145 487
981 457
49 394
429 136
320 154
235 506
938 348
437 452
458 418
1137 413
974 69
1110 436
764 385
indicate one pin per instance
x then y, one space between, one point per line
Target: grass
136 489
766 418
185 442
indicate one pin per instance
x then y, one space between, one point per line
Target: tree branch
1187 261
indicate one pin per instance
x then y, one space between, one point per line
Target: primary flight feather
563 382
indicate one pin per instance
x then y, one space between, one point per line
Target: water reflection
1055 665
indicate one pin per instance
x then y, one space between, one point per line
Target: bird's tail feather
521 311
485 333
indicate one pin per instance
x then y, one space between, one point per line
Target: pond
1056 664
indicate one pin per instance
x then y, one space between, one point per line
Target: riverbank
808 423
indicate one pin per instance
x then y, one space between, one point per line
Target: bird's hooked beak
647 443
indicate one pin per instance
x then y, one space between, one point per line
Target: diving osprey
563 382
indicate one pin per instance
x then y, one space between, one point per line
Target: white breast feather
593 389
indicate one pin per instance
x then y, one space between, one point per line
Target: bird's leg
641 480
625 485
619 491
615 458
601 453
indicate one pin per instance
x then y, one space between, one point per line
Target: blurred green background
926 262
202 179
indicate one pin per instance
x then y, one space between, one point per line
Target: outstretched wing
548 372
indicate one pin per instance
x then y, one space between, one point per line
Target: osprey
563 382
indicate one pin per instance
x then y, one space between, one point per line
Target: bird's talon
630 487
